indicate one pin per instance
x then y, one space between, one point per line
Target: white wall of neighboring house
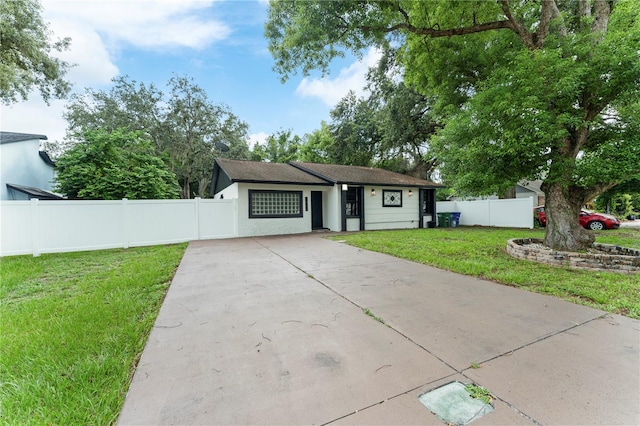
21 164
229 192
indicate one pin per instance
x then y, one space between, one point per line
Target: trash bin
444 220
455 219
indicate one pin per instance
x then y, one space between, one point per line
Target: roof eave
280 182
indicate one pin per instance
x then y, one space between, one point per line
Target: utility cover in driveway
453 404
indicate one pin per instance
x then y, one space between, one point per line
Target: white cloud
90 59
143 23
99 29
34 116
330 91
257 138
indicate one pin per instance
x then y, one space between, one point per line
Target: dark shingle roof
253 171
35 192
362 175
8 137
226 172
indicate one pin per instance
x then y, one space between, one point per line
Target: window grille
271 204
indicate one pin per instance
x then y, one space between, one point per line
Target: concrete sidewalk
272 331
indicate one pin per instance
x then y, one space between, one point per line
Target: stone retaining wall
609 258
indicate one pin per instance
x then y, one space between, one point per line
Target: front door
316 210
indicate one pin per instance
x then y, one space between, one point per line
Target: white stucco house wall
278 198
25 170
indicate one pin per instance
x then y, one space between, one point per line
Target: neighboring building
532 189
523 189
278 198
25 171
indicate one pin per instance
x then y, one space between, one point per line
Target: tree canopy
26 54
390 127
524 90
280 147
114 165
185 127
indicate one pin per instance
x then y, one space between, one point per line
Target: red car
588 219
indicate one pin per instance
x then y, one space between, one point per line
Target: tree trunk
563 230
203 185
186 189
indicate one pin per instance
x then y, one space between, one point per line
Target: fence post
35 229
236 229
197 212
125 223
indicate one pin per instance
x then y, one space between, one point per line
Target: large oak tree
540 89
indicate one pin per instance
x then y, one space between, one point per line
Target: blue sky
219 43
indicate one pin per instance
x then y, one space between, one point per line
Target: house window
391 198
353 201
270 204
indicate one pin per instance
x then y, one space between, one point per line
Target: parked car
588 219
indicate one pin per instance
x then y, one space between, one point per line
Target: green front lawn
73 325
72 328
481 252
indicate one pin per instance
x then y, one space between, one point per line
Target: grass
481 252
73 327
367 311
478 392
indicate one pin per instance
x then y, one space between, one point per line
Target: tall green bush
114 165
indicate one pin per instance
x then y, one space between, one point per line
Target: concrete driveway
272 331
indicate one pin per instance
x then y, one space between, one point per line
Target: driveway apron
305 330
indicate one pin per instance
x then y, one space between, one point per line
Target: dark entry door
316 210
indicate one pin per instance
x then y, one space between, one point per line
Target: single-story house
297 197
26 171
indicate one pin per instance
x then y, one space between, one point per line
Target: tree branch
435 33
518 27
555 13
546 14
595 190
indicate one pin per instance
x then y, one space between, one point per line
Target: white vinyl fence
508 213
34 227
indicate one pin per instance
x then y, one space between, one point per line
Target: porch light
410 193
373 192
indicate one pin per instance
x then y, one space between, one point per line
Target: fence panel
34 227
508 213
64 226
218 219
150 222
17 228
512 213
